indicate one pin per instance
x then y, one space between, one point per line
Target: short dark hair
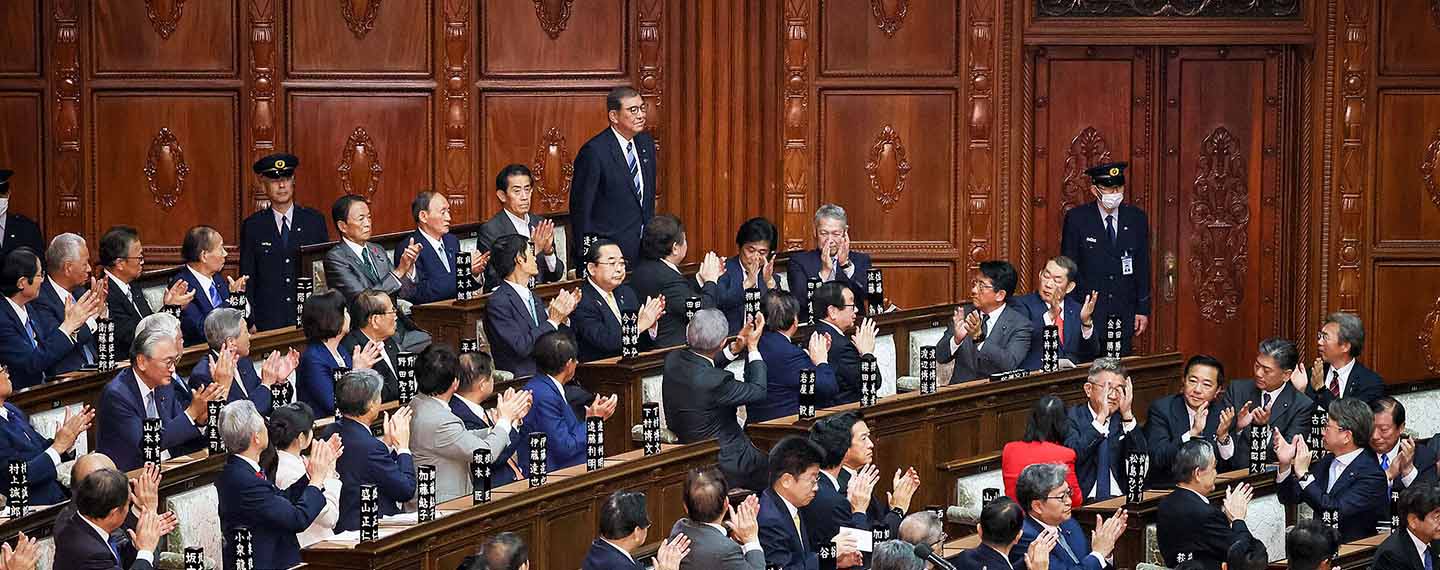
323 316
1000 520
757 229
197 240
504 251
1247 554
1418 500
832 435
421 203
1072 270
553 350
1282 350
1047 421
661 235
622 513
340 211
792 456
115 244
436 369
1353 415
780 308
21 263
1002 276
1391 405
705 494
504 551
592 255
1207 360
612 99
101 492
365 305
475 366
1192 456
1309 543
829 294
502 180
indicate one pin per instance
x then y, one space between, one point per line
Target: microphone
924 551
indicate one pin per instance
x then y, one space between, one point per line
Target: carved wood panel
359 38
555 37
890 37
1167 8
20 44
1409 37
22 150
1407 184
541 132
165 37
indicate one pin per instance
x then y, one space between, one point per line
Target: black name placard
150 432
1315 439
469 345
19 496
874 291
811 284
237 300
692 306
807 394
1114 336
594 444
369 512
650 427
244 549
304 288
335 376
1137 466
281 393
1259 448
480 480
425 493
929 371
104 344
405 376
629 334
752 302
1050 348
538 456
586 241
1009 375
194 558
869 380
212 427
988 495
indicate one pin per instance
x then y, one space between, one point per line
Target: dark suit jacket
273 261
20 442
1359 495
981 557
28 364
1167 421
654 278
732 293
192 317
253 390
1290 412
315 381
602 193
603 556
274 515
79 547
120 416
830 510
357 337
1004 349
806 264
783 363
48 310
367 460
1085 240
1073 346
501 473
1189 524
126 316
21 231
500 225
1071 533
550 413
784 548
845 359
511 332
1363 383
597 331
1086 442
1424 463
700 401
1398 553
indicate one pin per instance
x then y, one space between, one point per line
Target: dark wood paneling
875 37
359 38
22 150
917 283
543 131
1409 37
1406 310
171 37
373 144
1407 187
20 44
154 149
525 39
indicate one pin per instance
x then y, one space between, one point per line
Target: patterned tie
151 411
1265 401
1335 383
1385 466
984 329
114 543
1110 228
634 170
215 300
369 265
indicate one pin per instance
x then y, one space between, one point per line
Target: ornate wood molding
552 158
1168 8
1429 166
1025 213
889 14
553 15
1429 332
980 148
1219 213
455 103
262 87
1355 73
887 167
164 15
651 84
360 167
796 122
65 80
166 169
360 15
1087 149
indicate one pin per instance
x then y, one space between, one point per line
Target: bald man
145 489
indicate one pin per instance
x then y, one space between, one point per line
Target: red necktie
1060 323
260 474
1335 383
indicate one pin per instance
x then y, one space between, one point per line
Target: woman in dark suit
325 322
1044 442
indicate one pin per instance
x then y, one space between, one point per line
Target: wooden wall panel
542 131
373 144
172 37
917 283
553 37
164 162
1407 188
20 44
1409 37
1406 314
22 145
359 38
869 37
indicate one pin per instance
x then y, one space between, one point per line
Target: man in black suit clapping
658 275
1188 524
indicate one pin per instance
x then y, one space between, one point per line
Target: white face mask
1111 201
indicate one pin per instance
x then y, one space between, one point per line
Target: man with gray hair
366 459
1042 491
1188 524
228 362
248 499
701 397
896 555
67 266
1102 430
1347 479
170 324
831 260
1336 373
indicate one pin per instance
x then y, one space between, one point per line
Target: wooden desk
1357 554
557 520
968 420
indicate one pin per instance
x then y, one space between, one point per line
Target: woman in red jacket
1044 442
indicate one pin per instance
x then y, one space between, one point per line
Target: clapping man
228 362
1103 431
1043 492
718 542
1347 479
662 251
1188 525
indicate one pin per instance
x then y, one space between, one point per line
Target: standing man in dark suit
515 316
1336 373
204 254
29 345
16 230
1404 461
439 250
377 321
366 459
603 299
700 397
549 411
1196 413
123 257
831 260
837 312
711 545
786 538
993 337
784 361
1188 524
67 265
102 502
42 456
1347 479
613 192
1111 243
513 188
1103 431
658 275
1409 549
752 268
1269 401
1050 304
270 242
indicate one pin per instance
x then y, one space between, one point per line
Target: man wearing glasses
991 337
513 188
377 320
123 257
836 302
1103 431
355 265
1042 491
613 191
603 299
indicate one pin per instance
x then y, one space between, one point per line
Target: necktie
1102 475
843 481
114 543
796 517
1065 545
529 301
1335 383
1385 466
284 232
151 411
444 259
261 475
634 170
369 265
614 306
84 348
1110 227
1265 401
1429 559
984 328
1060 323
214 295
30 332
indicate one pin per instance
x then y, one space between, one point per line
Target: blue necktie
113 542
1385 466
530 304
1065 545
285 233
1110 227
30 332
634 170
1102 483
1429 559
214 295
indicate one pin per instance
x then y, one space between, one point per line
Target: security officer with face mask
1110 241
16 230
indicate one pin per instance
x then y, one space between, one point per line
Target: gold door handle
1170 276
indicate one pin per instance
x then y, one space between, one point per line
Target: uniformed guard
1110 241
16 230
270 242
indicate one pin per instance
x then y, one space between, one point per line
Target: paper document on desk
864 542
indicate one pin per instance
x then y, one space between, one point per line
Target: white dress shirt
205 282
522 227
528 296
1227 449
439 247
1102 425
1344 372
145 393
283 218
145 555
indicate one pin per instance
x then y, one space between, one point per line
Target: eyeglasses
1111 389
139 258
638 109
978 284
612 263
1061 497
